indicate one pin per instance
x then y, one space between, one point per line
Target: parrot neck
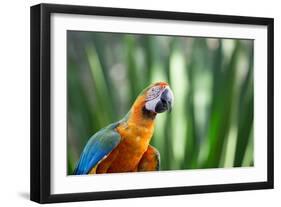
140 116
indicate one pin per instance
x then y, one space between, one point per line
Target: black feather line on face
148 114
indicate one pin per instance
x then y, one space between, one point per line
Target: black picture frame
41 99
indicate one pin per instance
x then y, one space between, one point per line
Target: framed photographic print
133 103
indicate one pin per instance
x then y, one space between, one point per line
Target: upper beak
167 97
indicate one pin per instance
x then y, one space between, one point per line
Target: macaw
124 146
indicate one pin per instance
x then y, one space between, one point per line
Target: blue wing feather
98 146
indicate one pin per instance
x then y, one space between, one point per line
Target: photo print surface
140 103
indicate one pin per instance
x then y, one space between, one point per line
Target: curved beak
166 101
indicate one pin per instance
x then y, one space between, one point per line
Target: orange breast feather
136 134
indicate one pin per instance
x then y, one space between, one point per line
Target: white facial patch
153 93
153 97
150 105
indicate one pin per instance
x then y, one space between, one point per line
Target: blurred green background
211 124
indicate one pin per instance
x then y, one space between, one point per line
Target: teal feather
98 146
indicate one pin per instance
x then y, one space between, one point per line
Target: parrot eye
153 93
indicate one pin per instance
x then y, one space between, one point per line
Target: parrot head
158 98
